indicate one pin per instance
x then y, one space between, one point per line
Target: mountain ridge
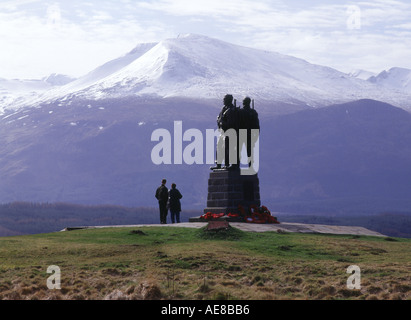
395 78
199 67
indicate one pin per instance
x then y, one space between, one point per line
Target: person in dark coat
174 203
162 197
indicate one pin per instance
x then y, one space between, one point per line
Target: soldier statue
249 120
227 119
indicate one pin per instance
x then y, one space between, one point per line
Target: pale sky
73 37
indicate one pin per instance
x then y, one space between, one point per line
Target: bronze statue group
230 118
233 118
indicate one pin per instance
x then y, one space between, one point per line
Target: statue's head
228 99
246 102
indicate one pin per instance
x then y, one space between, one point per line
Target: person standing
162 197
174 197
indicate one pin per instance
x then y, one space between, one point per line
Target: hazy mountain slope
354 155
336 159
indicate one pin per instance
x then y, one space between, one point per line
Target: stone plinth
228 188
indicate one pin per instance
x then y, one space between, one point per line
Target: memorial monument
233 184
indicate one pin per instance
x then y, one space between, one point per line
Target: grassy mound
229 234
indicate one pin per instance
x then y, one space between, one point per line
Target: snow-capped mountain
19 91
56 79
199 67
10 90
394 78
362 74
104 71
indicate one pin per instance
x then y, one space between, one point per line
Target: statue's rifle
253 103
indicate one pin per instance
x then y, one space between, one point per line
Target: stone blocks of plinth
227 189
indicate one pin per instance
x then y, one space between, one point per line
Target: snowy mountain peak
197 66
55 79
395 78
361 74
200 67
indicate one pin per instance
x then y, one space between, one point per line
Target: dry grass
180 263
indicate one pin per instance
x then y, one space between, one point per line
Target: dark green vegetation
185 263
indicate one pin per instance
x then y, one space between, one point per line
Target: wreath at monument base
254 215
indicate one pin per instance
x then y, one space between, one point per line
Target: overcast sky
73 37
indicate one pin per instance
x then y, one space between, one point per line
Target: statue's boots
218 166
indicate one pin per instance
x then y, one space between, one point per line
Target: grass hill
183 263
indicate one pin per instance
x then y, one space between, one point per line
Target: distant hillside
32 218
352 157
390 224
348 158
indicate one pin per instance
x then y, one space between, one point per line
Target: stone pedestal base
228 188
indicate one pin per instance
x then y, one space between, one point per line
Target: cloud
75 36
51 38
15 4
206 8
321 34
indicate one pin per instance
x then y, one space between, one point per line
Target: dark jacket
162 194
174 197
